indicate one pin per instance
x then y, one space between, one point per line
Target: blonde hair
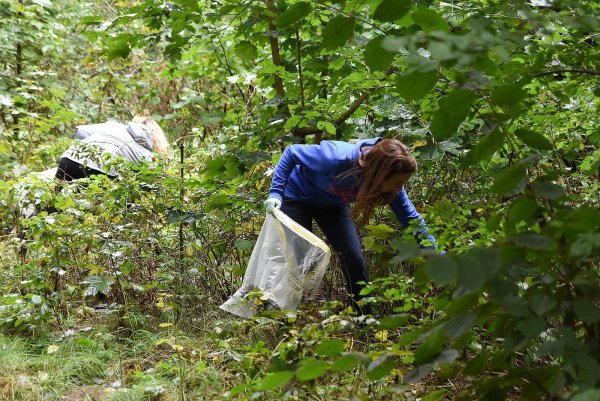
159 140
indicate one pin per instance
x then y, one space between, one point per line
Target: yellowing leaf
52 348
165 325
381 336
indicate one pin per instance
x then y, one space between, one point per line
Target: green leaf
380 367
405 250
326 126
392 322
415 85
431 347
508 97
418 373
591 394
547 190
435 395
486 147
293 14
98 284
533 139
246 51
330 348
471 273
453 109
392 10
377 57
346 363
541 304
337 32
533 241
274 380
507 179
586 310
459 325
532 326
311 369
441 269
429 19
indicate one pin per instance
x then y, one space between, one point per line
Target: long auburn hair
385 159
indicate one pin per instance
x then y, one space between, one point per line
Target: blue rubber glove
272 204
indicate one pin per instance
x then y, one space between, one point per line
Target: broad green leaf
508 97
547 190
292 122
274 380
591 394
533 241
418 373
533 139
471 273
406 251
293 14
338 31
311 369
415 85
435 395
98 284
380 367
585 245
532 326
541 304
459 325
486 147
86 342
507 179
393 321
516 306
586 310
346 363
391 10
431 347
377 57
429 19
326 126
246 51
441 269
330 348
452 111
446 356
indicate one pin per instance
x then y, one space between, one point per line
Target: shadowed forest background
111 291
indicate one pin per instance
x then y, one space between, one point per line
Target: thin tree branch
301 80
276 58
573 70
304 131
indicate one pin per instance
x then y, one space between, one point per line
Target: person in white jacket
98 143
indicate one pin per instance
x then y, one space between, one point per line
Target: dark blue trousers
339 228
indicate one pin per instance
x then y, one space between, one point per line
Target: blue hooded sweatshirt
311 173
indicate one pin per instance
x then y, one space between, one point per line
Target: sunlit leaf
293 14
274 380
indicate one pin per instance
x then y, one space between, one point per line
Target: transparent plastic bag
287 265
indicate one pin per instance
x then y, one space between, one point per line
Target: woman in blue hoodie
318 182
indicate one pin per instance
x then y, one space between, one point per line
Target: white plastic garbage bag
287 264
